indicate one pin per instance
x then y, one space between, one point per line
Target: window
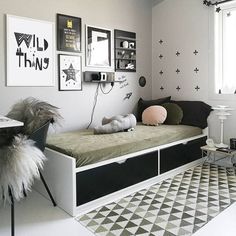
225 49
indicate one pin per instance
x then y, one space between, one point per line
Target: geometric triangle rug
176 206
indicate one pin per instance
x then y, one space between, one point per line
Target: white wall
76 106
183 25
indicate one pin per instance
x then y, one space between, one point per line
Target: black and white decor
177 206
30 52
70 75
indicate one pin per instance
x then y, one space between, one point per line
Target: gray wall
76 106
184 26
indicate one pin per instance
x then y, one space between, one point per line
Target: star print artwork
70 72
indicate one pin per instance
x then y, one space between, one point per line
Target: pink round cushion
154 115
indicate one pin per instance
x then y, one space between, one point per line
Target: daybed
83 167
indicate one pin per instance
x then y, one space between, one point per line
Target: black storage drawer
94 183
173 157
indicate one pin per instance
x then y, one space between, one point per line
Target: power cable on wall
94 105
96 98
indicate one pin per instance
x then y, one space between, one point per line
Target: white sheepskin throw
34 113
19 165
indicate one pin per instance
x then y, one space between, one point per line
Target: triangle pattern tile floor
176 206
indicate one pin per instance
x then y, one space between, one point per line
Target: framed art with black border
68 33
70 72
98 47
30 52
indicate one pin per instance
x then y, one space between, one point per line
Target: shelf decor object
125 51
222 113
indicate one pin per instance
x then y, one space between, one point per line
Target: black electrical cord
94 106
112 85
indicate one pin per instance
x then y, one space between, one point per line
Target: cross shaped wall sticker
197 88
178 88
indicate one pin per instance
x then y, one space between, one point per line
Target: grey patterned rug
177 206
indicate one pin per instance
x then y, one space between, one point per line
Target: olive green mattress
88 148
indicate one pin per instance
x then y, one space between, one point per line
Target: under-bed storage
100 181
178 155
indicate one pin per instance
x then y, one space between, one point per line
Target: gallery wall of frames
31 51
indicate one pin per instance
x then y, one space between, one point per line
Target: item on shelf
129 66
227 150
131 45
233 143
210 143
125 44
222 113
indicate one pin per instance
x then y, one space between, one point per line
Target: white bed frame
60 173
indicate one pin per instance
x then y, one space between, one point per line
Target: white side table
6 122
212 152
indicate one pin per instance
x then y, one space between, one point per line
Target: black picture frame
98 47
68 33
70 72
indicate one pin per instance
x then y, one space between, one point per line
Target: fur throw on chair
34 113
20 159
19 164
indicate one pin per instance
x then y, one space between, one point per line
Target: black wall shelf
125 51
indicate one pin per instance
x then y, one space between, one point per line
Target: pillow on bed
195 113
143 104
174 113
154 115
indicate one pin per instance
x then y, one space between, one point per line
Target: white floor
35 216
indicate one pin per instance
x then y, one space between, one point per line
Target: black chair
39 136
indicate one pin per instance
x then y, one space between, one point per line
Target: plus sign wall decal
161 88
197 88
195 52
161 41
177 71
177 53
178 88
161 72
161 56
196 70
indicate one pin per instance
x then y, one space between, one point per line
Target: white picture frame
30 52
98 55
70 72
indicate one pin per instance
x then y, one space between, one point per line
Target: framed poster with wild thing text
68 33
30 52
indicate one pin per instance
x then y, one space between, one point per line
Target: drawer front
100 181
178 155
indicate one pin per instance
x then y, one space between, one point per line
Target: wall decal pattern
177 53
181 68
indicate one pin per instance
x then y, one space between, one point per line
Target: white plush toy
116 124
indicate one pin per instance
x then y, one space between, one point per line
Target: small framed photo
70 72
68 33
98 47
30 52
